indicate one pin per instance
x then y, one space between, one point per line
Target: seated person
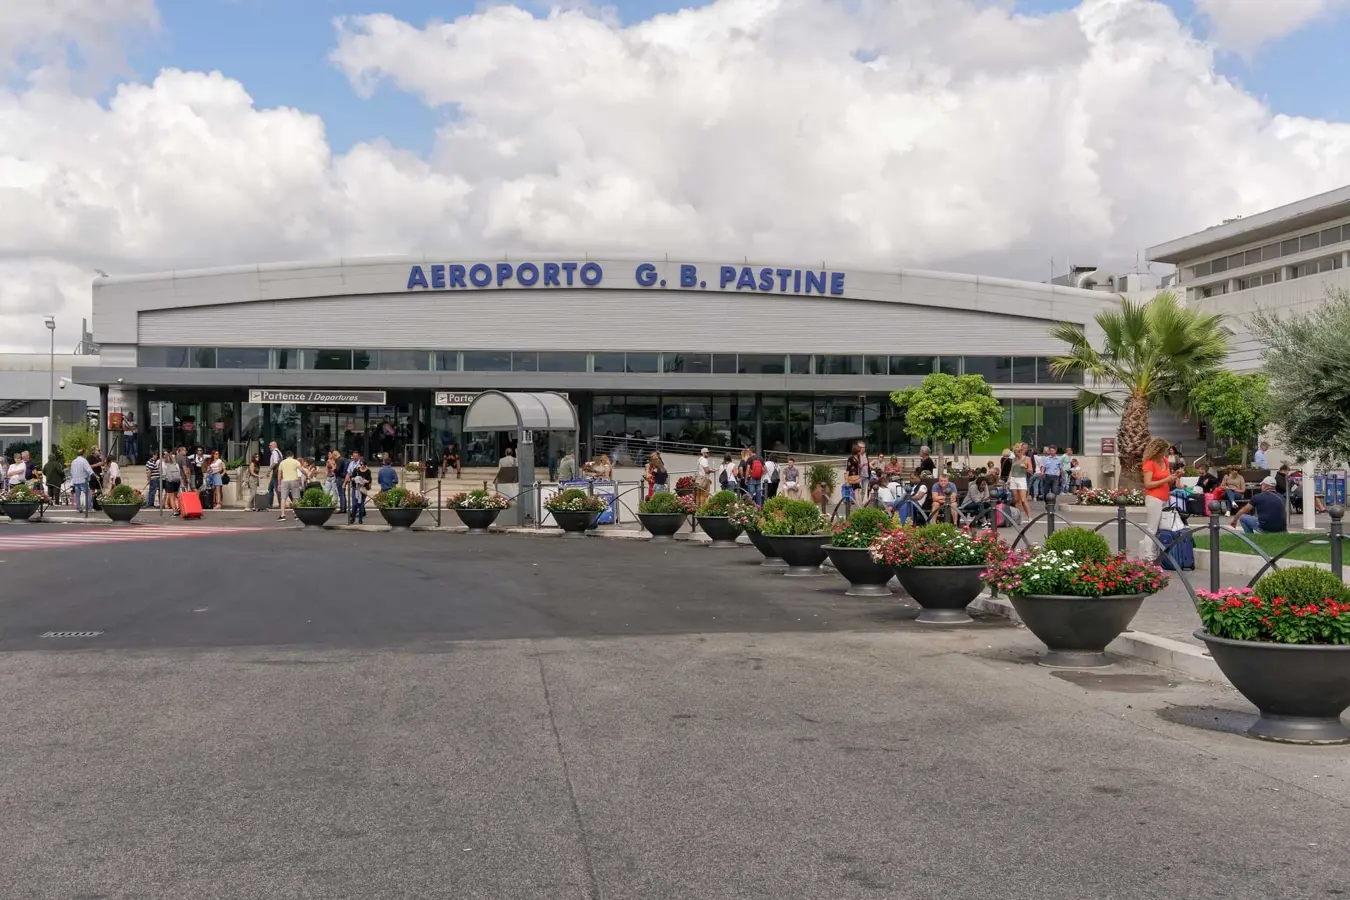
1233 488
910 499
944 500
1264 513
1295 482
1207 481
979 499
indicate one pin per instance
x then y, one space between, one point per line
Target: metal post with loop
1049 514
1215 572
1121 540
1337 512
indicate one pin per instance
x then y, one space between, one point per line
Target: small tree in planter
940 567
315 507
849 550
821 480
1285 645
1075 595
950 410
478 509
575 511
20 502
122 504
400 507
663 514
798 531
714 518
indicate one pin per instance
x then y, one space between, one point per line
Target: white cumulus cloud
937 133
1243 25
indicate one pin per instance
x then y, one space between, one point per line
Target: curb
1161 651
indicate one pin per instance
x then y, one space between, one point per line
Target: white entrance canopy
519 411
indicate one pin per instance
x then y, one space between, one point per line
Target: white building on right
1283 259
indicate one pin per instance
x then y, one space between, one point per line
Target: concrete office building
798 358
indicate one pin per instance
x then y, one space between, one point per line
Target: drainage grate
70 634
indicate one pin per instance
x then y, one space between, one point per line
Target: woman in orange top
1158 481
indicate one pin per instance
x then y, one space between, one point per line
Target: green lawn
1272 544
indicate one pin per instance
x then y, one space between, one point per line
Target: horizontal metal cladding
592 319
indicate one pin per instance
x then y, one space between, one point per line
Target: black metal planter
771 558
943 592
401 518
866 577
121 513
575 524
19 512
1076 630
313 516
479 521
802 553
720 529
662 526
1299 689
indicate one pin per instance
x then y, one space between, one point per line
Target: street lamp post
51 383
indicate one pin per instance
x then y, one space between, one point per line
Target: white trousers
1153 510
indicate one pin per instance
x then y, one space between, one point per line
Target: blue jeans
151 491
78 491
358 505
1034 485
1250 524
756 488
1234 500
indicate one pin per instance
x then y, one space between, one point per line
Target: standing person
273 460
17 473
1018 473
660 477
114 473
1052 473
926 464
792 480
80 474
771 476
1259 457
567 467
1066 469
1005 466
388 478
253 481
1158 481
358 479
705 478
854 468
129 443
754 473
1174 458
288 482
331 485
215 477
95 461
198 469
54 473
1035 480
726 479
171 479
152 482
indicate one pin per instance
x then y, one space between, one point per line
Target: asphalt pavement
279 714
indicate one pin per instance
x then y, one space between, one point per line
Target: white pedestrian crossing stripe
60 537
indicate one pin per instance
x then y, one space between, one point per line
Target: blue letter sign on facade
767 280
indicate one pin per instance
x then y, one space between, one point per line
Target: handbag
853 480
225 479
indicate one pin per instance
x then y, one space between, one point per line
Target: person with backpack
726 479
771 476
754 476
171 479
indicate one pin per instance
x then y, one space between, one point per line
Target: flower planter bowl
401 518
943 592
1299 689
1076 630
771 558
479 521
121 513
313 516
662 526
802 553
720 529
866 577
19 512
575 524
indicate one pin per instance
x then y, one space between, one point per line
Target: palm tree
1152 352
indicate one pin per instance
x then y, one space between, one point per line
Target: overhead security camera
119 381
61 384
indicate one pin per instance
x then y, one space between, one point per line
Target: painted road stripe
109 535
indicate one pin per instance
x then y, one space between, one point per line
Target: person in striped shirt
152 473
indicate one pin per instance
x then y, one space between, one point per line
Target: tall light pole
51 384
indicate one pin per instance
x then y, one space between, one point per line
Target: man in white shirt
80 473
1259 457
706 478
273 460
770 480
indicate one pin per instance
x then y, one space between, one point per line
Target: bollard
1215 507
1049 514
1122 541
1337 512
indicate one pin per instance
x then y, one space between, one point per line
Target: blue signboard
605 490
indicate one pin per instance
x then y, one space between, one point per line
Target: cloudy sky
990 136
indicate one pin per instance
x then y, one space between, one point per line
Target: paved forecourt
356 715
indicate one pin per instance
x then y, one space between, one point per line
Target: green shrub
662 502
719 504
125 495
822 475
863 527
21 493
572 494
775 503
938 531
869 517
1083 544
1301 586
315 498
400 498
792 519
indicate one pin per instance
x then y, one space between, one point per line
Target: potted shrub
797 531
478 509
122 504
663 515
849 550
575 511
315 507
761 541
821 480
939 566
714 519
684 486
1075 595
400 507
20 502
1285 645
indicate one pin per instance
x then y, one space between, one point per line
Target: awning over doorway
510 411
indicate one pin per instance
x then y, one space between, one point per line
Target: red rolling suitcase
190 504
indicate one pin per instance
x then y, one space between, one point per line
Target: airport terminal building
386 353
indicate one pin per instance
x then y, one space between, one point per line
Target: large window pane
363 360
1307 242
912 365
838 424
724 363
242 357
405 360
487 361
838 365
1057 423
762 363
687 363
994 369
876 365
799 364
1026 424
447 360
562 361
607 362
1289 247
1024 370
643 363
799 424
287 359
162 357
524 361
983 451
327 359
203 357
1330 236
642 416
686 418
949 365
